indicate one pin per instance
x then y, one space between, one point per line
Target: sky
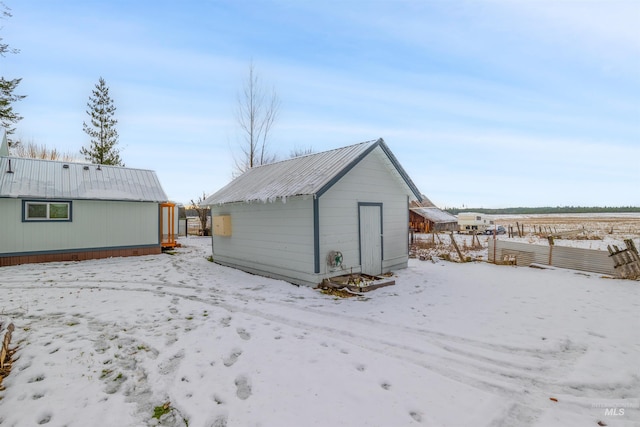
485 104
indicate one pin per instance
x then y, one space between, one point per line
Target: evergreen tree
7 116
102 128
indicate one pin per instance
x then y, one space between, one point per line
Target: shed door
371 239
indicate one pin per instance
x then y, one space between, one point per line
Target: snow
105 342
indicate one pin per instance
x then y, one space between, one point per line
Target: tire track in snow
471 366
464 352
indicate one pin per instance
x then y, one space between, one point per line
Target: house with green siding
64 211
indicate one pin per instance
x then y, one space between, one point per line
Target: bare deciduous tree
203 213
34 151
299 151
257 111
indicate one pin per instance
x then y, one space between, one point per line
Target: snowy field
112 342
587 231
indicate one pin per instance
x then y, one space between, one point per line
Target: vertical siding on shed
95 224
273 239
369 181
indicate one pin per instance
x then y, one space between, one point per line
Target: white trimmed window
47 211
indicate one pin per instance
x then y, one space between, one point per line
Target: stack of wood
6 354
626 261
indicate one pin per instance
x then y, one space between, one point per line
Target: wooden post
455 245
550 238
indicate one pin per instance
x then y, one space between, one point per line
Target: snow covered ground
111 342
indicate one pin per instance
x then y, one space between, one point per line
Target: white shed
288 219
61 211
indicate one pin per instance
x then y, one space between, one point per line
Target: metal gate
370 219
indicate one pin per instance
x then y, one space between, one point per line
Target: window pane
38 210
59 211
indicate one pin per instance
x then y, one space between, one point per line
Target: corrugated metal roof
309 175
425 203
435 214
47 179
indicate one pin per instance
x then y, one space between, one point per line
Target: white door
371 239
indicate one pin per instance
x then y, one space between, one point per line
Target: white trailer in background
473 222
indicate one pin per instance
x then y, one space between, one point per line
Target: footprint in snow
243 333
243 387
221 421
171 364
25 366
45 418
36 379
232 358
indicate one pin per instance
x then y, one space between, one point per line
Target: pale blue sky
484 103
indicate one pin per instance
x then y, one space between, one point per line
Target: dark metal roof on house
47 179
309 175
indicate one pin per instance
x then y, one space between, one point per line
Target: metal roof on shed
309 175
47 179
435 215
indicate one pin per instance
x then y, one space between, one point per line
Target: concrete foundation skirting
76 255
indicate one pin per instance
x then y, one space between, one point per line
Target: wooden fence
626 261
191 226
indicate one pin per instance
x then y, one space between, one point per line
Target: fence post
455 245
495 243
